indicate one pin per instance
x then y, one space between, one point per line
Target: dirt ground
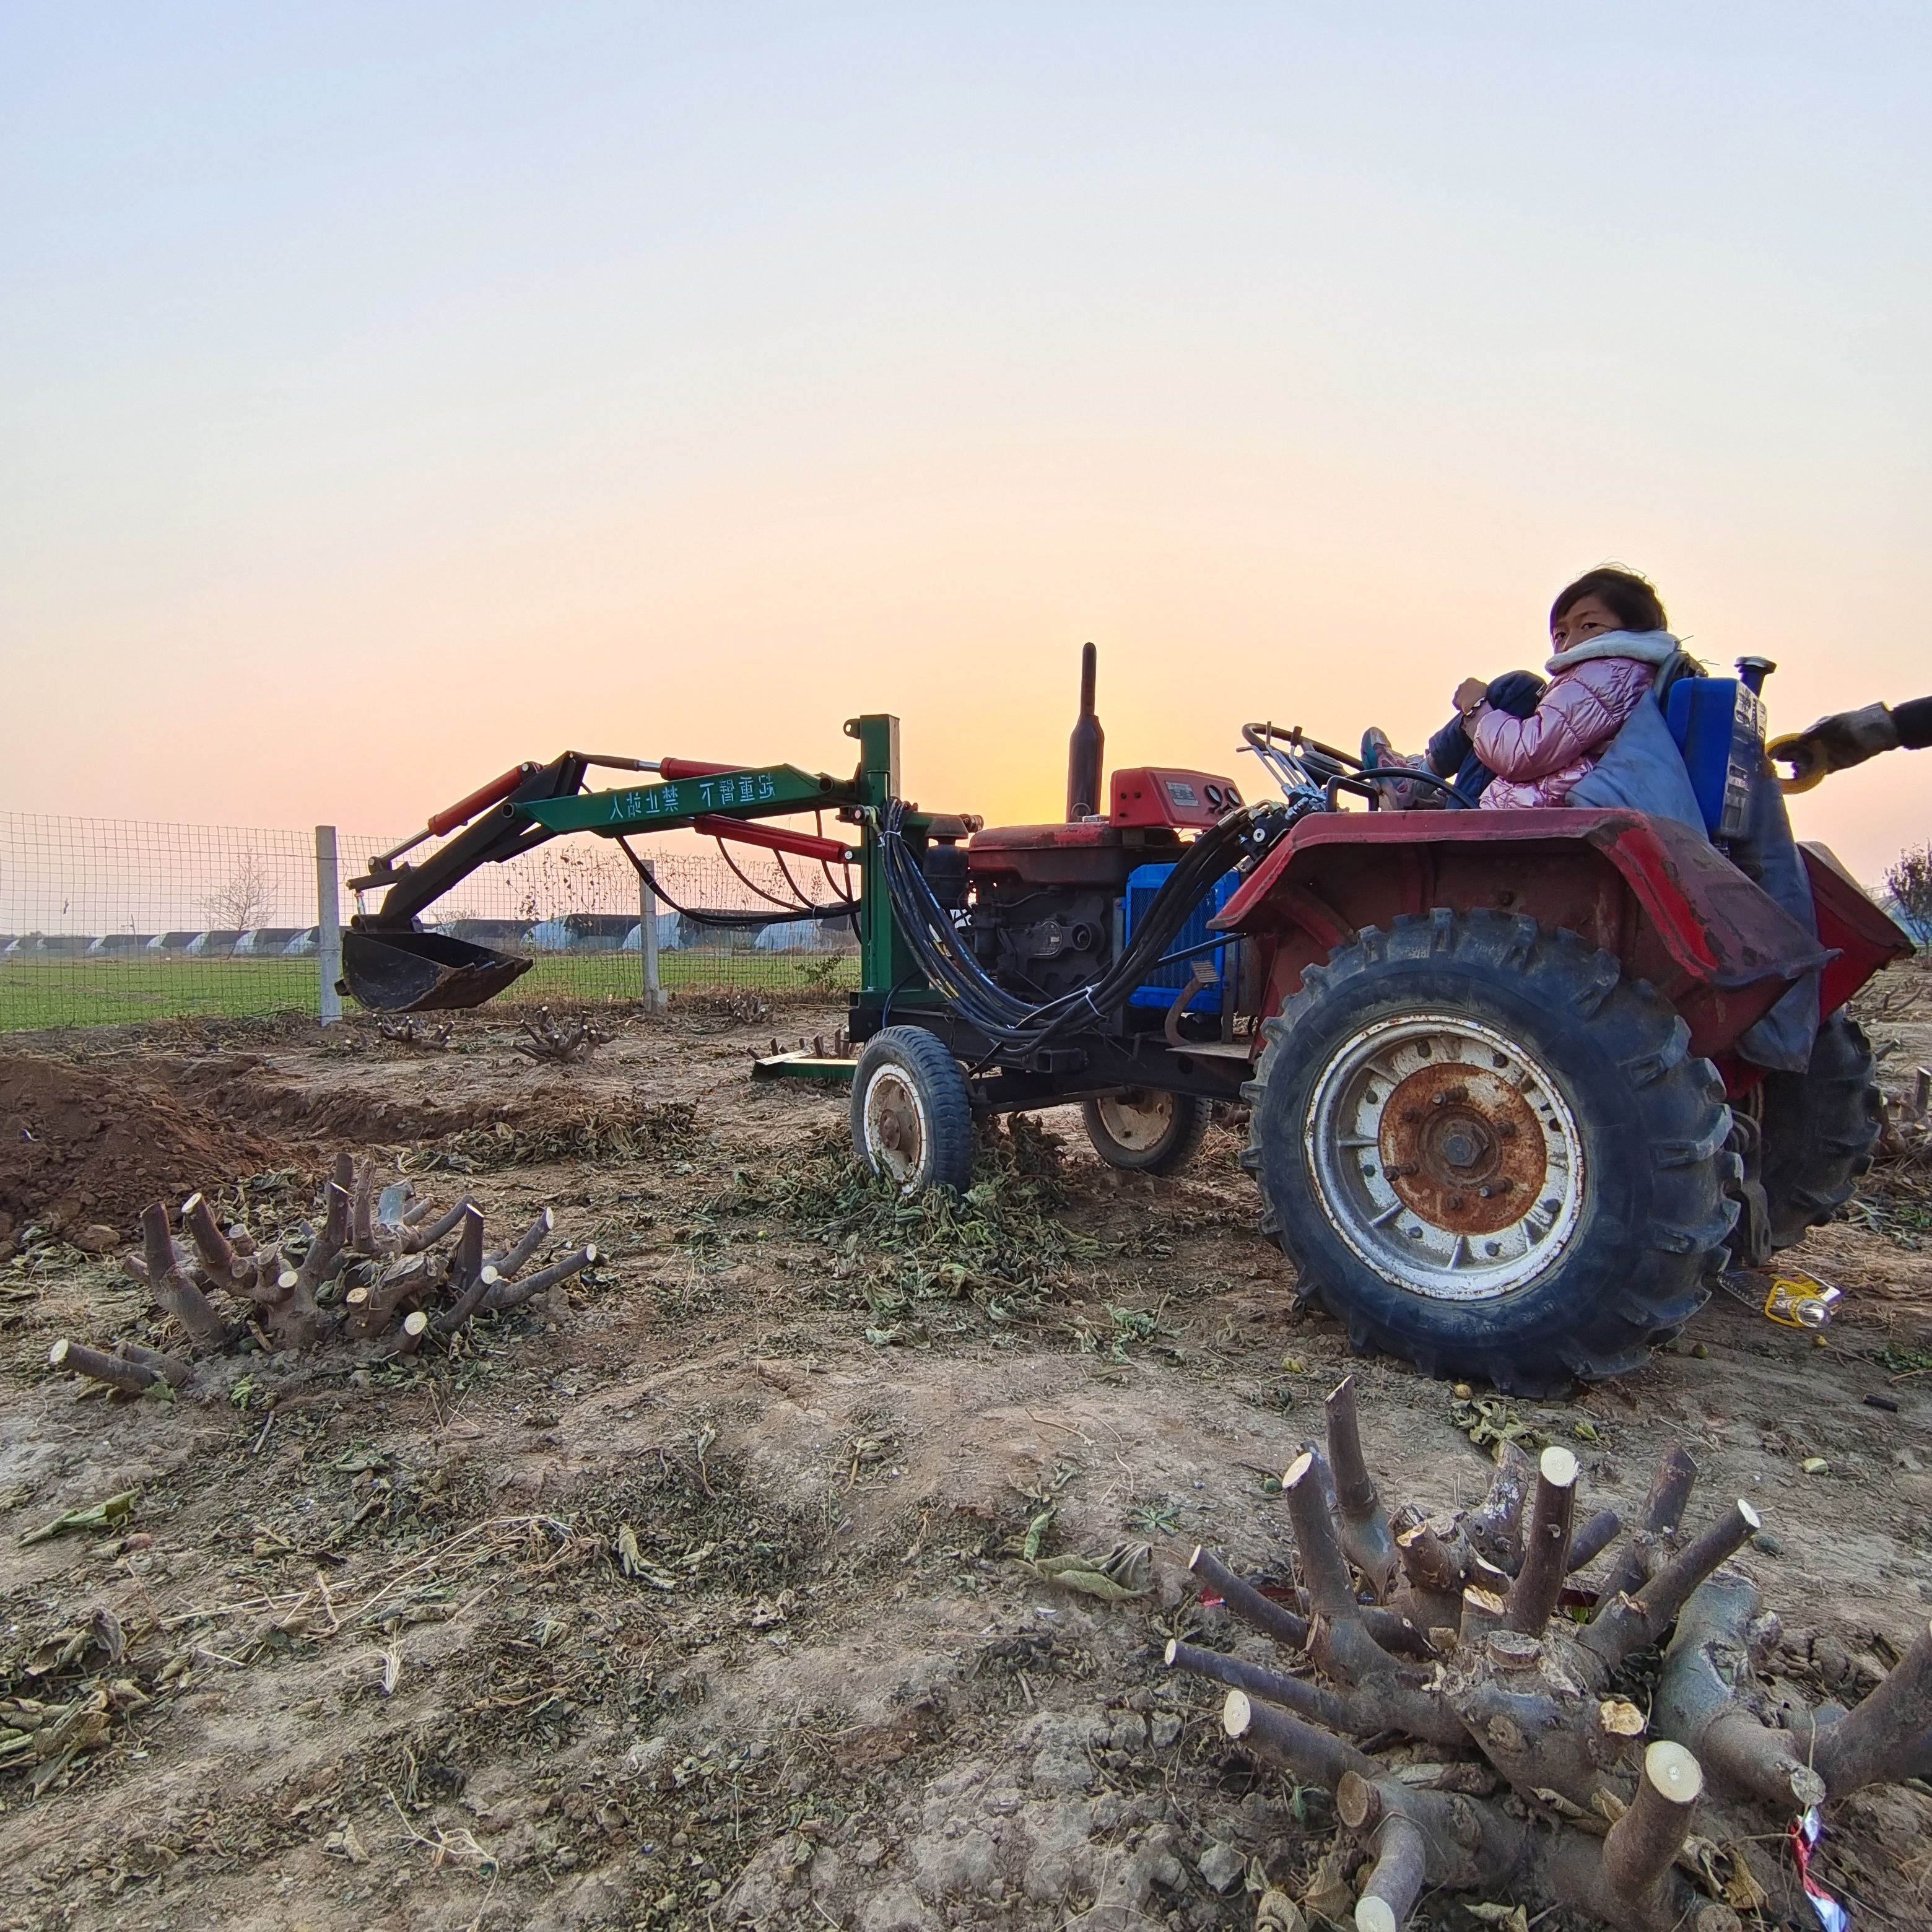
382 1667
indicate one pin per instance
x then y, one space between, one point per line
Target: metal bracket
1203 974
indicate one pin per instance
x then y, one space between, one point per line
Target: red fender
1653 893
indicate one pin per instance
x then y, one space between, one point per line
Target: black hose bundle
1009 1022
846 908
786 916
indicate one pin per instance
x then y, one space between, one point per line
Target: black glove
1834 744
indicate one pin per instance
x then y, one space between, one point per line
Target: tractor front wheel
1146 1130
911 1122
1488 1152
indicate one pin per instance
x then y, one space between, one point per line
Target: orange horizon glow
390 398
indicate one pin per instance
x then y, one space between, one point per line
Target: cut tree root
414 1032
76 1358
171 1368
1644 1823
373 1277
1546 1547
562 1044
505 1294
1366 1539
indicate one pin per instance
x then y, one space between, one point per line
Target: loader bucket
403 972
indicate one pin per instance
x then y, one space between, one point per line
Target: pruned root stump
1506 1759
562 1043
377 1275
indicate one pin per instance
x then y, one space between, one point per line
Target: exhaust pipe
1084 749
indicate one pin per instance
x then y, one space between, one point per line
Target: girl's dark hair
1631 599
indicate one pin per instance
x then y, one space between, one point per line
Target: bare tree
1910 881
562 879
245 899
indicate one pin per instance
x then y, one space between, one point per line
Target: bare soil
83 1146
384 1665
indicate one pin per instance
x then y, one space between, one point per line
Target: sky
391 393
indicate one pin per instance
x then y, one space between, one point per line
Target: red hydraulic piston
494 792
772 837
693 768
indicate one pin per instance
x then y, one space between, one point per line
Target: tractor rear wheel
1488 1152
911 1121
1145 1129
1819 1129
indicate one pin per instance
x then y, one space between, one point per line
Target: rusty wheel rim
1136 1118
898 1134
1446 1157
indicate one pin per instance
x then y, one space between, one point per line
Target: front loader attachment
392 966
399 971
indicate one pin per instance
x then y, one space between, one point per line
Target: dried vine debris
1534 1774
383 1268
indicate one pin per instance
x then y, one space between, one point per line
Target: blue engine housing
1160 990
1718 723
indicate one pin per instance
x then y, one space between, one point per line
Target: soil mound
588 1123
79 1146
358 1114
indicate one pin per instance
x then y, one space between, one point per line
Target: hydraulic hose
745 921
709 916
1012 1023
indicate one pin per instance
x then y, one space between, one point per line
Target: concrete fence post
647 937
328 925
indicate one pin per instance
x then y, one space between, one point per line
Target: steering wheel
1316 774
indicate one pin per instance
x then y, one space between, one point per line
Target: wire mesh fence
111 920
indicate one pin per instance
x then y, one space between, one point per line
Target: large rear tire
1488 1152
1145 1129
1819 1129
911 1122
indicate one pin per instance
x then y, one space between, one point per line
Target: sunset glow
387 395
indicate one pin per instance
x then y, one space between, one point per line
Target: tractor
1503 1111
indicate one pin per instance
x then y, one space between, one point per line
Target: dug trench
719 1585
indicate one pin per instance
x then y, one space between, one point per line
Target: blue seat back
1718 723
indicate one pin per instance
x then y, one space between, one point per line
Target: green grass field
34 995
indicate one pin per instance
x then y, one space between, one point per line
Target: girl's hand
1470 693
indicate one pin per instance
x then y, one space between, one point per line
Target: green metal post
886 962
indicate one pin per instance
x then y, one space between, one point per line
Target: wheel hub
1462 1147
895 1127
1137 1118
1446 1155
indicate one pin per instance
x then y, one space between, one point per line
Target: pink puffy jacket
1538 759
